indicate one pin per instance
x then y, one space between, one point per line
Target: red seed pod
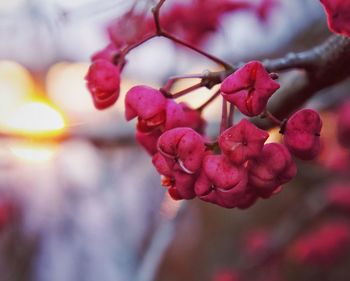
249 88
146 103
149 140
175 115
153 110
182 147
103 82
180 185
242 142
248 199
221 182
302 134
271 169
338 15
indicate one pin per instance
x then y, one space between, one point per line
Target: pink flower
183 149
344 125
220 182
302 134
338 15
272 168
242 142
180 185
249 88
103 81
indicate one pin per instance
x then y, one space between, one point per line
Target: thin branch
223 123
155 12
231 115
199 51
182 92
271 117
173 79
137 44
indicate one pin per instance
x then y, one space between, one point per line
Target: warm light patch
66 86
31 152
275 136
15 84
35 119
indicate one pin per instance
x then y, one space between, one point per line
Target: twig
223 123
182 92
155 12
226 65
231 116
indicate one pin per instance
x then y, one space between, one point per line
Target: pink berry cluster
240 167
234 169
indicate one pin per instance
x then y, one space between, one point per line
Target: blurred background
79 199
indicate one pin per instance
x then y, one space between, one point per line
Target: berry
183 149
242 142
180 184
272 168
103 81
249 88
302 134
221 182
146 103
